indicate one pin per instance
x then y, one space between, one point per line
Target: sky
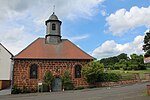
102 28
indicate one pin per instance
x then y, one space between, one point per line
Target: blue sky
102 28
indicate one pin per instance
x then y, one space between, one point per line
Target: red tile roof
64 50
146 59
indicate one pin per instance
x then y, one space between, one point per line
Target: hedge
109 77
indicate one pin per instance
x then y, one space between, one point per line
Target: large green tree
121 64
137 62
146 46
123 56
109 61
134 62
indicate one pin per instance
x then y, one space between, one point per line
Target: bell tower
53 30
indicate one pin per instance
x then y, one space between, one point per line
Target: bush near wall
109 77
43 88
66 81
15 90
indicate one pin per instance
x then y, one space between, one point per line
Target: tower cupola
53 30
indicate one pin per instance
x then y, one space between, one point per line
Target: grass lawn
130 73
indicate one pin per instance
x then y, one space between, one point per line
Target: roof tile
64 50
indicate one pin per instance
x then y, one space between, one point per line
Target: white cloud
77 38
104 13
16 39
122 20
11 9
111 48
41 9
20 19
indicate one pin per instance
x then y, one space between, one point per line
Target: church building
50 54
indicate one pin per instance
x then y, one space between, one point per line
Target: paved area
5 91
132 92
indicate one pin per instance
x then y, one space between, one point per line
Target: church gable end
50 54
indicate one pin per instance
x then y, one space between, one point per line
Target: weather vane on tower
53 9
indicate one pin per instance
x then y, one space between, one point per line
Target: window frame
53 26
78 71
33 67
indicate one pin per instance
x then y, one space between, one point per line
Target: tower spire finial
53 9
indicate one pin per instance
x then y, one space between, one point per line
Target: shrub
24 90
68 86
43 88
66 81
15 90
48 78
117 66
108 77
92 70
127 77
142 67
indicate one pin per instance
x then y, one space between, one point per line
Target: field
129 74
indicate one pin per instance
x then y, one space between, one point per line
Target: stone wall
21 75
106 84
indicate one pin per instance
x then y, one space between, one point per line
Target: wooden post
147 76
137 77
40 84
148 90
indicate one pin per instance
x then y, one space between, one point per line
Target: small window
53 27
33 71
78 71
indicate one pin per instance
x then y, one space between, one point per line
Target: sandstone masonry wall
21 75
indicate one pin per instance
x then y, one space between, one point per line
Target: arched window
77 71
53 26
33 71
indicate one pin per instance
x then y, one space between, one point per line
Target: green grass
130 73
145 93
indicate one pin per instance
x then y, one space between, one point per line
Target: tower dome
53 30
53 17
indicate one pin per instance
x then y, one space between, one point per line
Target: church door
57 84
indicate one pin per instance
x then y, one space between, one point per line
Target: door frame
53 84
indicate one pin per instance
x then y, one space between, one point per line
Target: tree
109 61
123 56
92 70
136 62
66 81
146 46
121 64
48 78
132 65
